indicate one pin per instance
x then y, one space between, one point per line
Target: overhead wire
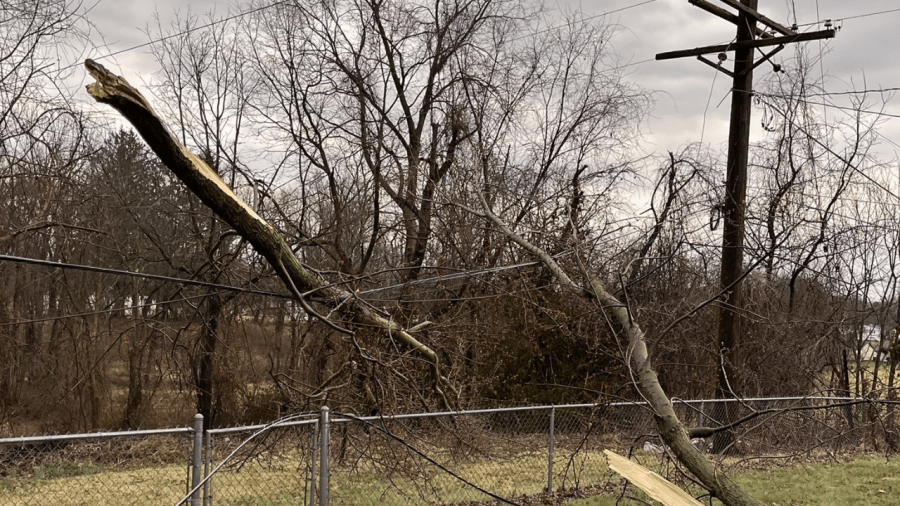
588 18
109 310
184 281
709 99
845 18
155 277
425 456
828 104
853 92
854 167
183 32
275 4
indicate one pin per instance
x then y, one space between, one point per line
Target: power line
833 153
827 104
185 32
822 68
853 92
841 107
428 459
866 15
275 4
596 16
451 277
709 98
155 277
110 310
588 18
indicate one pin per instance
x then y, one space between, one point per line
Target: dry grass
158 485
134 471
283 482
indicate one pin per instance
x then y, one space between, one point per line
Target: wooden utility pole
749 38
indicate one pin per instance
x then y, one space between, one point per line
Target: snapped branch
115 91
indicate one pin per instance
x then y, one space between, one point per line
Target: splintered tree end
112 89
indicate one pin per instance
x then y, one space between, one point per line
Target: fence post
197 461
312 466
550 453
207 461
323 456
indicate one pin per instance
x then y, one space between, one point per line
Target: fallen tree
304 283
670 428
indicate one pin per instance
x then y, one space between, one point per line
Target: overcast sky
863 55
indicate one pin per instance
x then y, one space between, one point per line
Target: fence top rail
339 418
94 435
272 425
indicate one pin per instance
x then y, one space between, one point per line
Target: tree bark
670 428
115 91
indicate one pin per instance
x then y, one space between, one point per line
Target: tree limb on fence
670 428
115 91
704 432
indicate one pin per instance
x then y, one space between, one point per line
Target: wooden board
653 484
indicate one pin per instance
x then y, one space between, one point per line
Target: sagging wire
384 431
272 425
429 459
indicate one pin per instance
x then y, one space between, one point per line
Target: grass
866 372
869 481
282 484
66 469
508 478
87 485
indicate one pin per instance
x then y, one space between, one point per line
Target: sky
690 99
684 86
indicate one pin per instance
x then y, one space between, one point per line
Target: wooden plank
766 57
774 41
651 483
716 66
759 17
727 16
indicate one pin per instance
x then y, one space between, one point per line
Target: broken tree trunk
115 91
670 428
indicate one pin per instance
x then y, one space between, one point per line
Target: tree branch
115 91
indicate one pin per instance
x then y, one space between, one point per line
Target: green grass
873 482
865 481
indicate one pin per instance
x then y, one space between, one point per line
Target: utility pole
750 37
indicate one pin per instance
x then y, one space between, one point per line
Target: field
864 480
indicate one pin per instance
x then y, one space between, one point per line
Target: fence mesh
461 458
123 470
537 455
277 467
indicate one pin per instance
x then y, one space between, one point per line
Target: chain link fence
533 455
140 467
273 464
